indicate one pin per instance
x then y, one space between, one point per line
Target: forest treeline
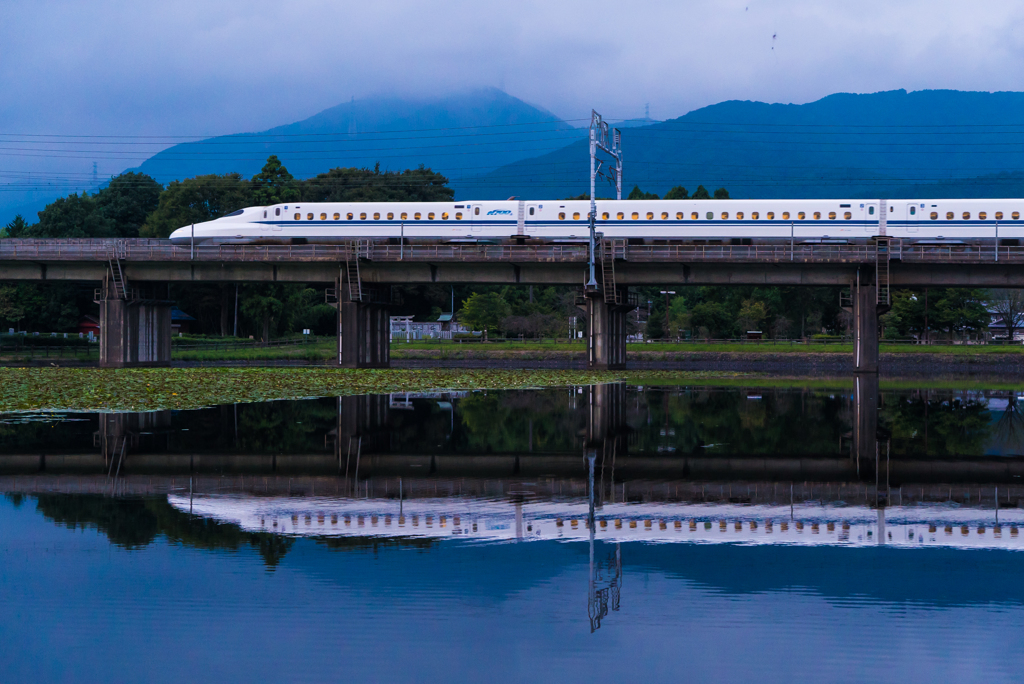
135 205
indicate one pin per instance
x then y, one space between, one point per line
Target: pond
608 533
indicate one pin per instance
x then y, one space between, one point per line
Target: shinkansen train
947 221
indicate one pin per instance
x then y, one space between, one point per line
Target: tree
718 318
961 309
273 184
126 202
16 228
1009 305
195 200
263 305
366 185
752 315
484 311
11 309
678 317
701 193
637 194
74 216
677 193
721 193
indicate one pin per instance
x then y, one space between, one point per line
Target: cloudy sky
207 67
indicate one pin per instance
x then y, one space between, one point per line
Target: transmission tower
610 145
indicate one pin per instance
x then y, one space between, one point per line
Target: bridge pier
134 332
606 328
865 326
364 335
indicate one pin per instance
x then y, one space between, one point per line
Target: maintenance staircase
887 250
349 276
116 286
610 251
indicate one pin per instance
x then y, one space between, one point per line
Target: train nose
182 236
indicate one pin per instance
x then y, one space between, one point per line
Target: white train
947 221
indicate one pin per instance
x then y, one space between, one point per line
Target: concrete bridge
132 277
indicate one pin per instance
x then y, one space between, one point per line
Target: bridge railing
163 251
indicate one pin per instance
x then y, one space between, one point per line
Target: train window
404 216
604 216
949 216
679 216
754 215
934 215
664 216
770 216
913 211
390 216
458 216
650 215
620 216
1015 215
531 211
349 216
693 216
277 212
337 216
785 216
967 215
416 216
725 215
476 210
801 215
847 215
376 216
298 216
264 214
739 215
871 211
982 215
309 217
430 216
561 216
635 216
323 216
999 216
710 215
831 215
817 215
575 216
444 215
362 216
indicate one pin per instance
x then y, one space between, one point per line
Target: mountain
463 134
844 145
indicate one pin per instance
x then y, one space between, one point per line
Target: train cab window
298 216
277 212
362 216
349 216
635 216
390 216
476 210
458 216
664 216
934 215
693 216
376 216
679 216
847 215
604 216
817 215
444 215
561 216
739 215
967 216
999 216
620 216
404 216
785 216
913 211
725 215
949 216
770 216
430 216
337 216
650 216
754 216
710 215
575 216
309 217
323 216
531 211
831 216
1015 215
982 215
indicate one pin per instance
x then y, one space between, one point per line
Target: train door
532 217
475 220
871 218
912 218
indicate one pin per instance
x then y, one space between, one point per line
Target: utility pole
610 145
